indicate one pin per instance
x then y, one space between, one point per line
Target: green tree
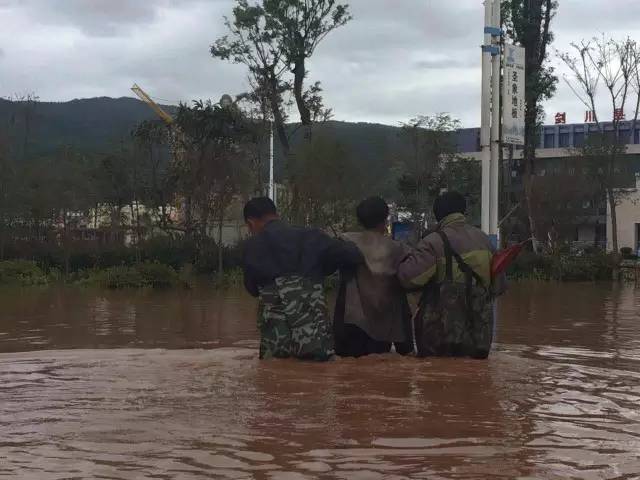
254 43
215 168
300 26
330 184
422 172
113 182
528 23
158 185
464 175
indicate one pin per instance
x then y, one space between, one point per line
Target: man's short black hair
372 212
448 203
259 207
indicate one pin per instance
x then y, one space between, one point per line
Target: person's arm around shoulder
420 265
339 254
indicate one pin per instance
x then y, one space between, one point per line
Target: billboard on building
513 99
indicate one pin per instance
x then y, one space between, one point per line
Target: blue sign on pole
401 231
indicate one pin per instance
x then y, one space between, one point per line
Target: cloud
96 17
395 59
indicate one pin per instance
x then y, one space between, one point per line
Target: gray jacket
372 298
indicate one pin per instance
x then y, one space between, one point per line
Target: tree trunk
188 221
529 158
220 250
65 246
138 226
299 72
614 220
278 120
528 196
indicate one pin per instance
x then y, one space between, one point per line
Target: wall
586 233
628 215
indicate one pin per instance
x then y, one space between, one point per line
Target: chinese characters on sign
618 114
513 96
589 116
561 118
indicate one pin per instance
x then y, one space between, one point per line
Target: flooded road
121 385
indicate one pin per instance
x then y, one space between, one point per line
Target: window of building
549 140
564 140
571 171
578 139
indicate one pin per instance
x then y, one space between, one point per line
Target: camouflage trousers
293 320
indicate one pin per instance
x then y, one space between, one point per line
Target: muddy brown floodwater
167 385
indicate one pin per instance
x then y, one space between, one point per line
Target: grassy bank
24 273
591 266
169 265
85 256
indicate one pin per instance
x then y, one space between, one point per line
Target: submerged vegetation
154 275
590 266
23 273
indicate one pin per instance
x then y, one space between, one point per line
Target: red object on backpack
502 259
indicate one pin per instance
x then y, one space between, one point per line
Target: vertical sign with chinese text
513 99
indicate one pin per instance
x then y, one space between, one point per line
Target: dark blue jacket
282 250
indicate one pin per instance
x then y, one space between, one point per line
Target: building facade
561 176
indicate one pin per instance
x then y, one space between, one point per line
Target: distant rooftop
551 136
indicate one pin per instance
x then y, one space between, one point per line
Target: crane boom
142 95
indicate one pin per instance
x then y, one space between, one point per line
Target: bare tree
604 62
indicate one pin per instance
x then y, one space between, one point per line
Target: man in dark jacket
284 266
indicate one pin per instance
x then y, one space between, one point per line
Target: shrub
530 265
627 252
22 272
596 265
232 278
90 255
117 277
154 275
157 275
186 276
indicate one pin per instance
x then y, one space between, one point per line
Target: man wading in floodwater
453 265
284 266
372 311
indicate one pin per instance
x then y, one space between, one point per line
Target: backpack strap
448 253
464 266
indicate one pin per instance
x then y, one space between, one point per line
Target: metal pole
272 192
495 129
485 121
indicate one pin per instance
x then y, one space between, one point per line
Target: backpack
455 319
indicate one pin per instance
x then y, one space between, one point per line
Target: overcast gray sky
396 59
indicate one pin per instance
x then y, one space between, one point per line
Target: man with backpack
284 266
453 267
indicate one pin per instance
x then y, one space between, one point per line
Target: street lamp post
272 186
490 118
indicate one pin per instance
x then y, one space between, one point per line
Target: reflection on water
168 385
